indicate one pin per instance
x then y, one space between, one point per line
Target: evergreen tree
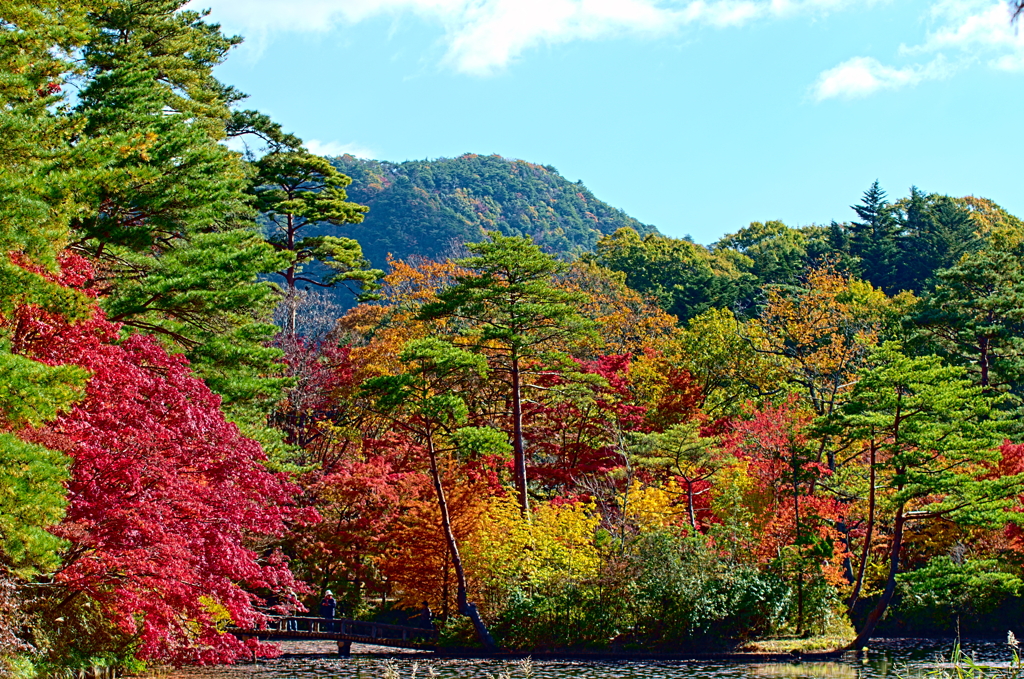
36 201
508 308
975 318
875 241
166 218
299 193
938 231
425 401
932 435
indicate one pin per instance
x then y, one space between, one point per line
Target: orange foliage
416 563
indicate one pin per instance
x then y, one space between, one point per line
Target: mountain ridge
431 207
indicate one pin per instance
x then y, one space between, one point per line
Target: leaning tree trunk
869 533
465 606
518 447
890 586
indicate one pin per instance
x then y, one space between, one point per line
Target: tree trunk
983 360
289 278
890 586
465 607
518 446
799 557
689 506
868 535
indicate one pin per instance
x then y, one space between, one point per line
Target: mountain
431 207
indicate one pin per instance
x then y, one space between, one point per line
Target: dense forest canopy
430 208
556 426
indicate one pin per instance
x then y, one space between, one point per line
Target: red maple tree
165 495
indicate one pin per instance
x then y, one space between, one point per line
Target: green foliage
566 615
684 277
475 441
684 594
778 254
31 500
164 213
934 598
874 242
34 392
295 190
974 317
428 207
937 232
509 299
36 39
936 432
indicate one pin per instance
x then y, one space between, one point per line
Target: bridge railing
347 627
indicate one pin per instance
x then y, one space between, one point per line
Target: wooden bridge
344 631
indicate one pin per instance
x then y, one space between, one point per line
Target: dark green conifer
166 217
875 241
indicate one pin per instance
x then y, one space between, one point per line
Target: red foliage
324 380
1012 462
773 442
164 492
572 437
360 499
680 401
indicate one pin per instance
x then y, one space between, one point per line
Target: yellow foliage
653 507
627 322
556 543
824 332
379 331
727 360
218 613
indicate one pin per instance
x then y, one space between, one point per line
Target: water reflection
885 659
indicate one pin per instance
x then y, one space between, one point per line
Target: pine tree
975 318
508 308
36 39
425 401
298 192
932 434
937 232
166 219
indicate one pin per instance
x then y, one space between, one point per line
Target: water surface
890 658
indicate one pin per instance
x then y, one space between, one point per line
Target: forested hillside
430 207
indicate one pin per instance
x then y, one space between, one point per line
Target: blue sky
697 116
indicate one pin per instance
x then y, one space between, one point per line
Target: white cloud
961 33
483 36
335 148
863 76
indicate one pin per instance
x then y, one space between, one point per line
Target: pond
890 658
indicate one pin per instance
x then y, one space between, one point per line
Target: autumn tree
164 497
932 436
797 521
425 402
822 332
507 308
681 452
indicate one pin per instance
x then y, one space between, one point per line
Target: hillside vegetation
429 207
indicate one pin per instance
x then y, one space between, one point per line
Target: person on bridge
290 608
327 609
426 616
